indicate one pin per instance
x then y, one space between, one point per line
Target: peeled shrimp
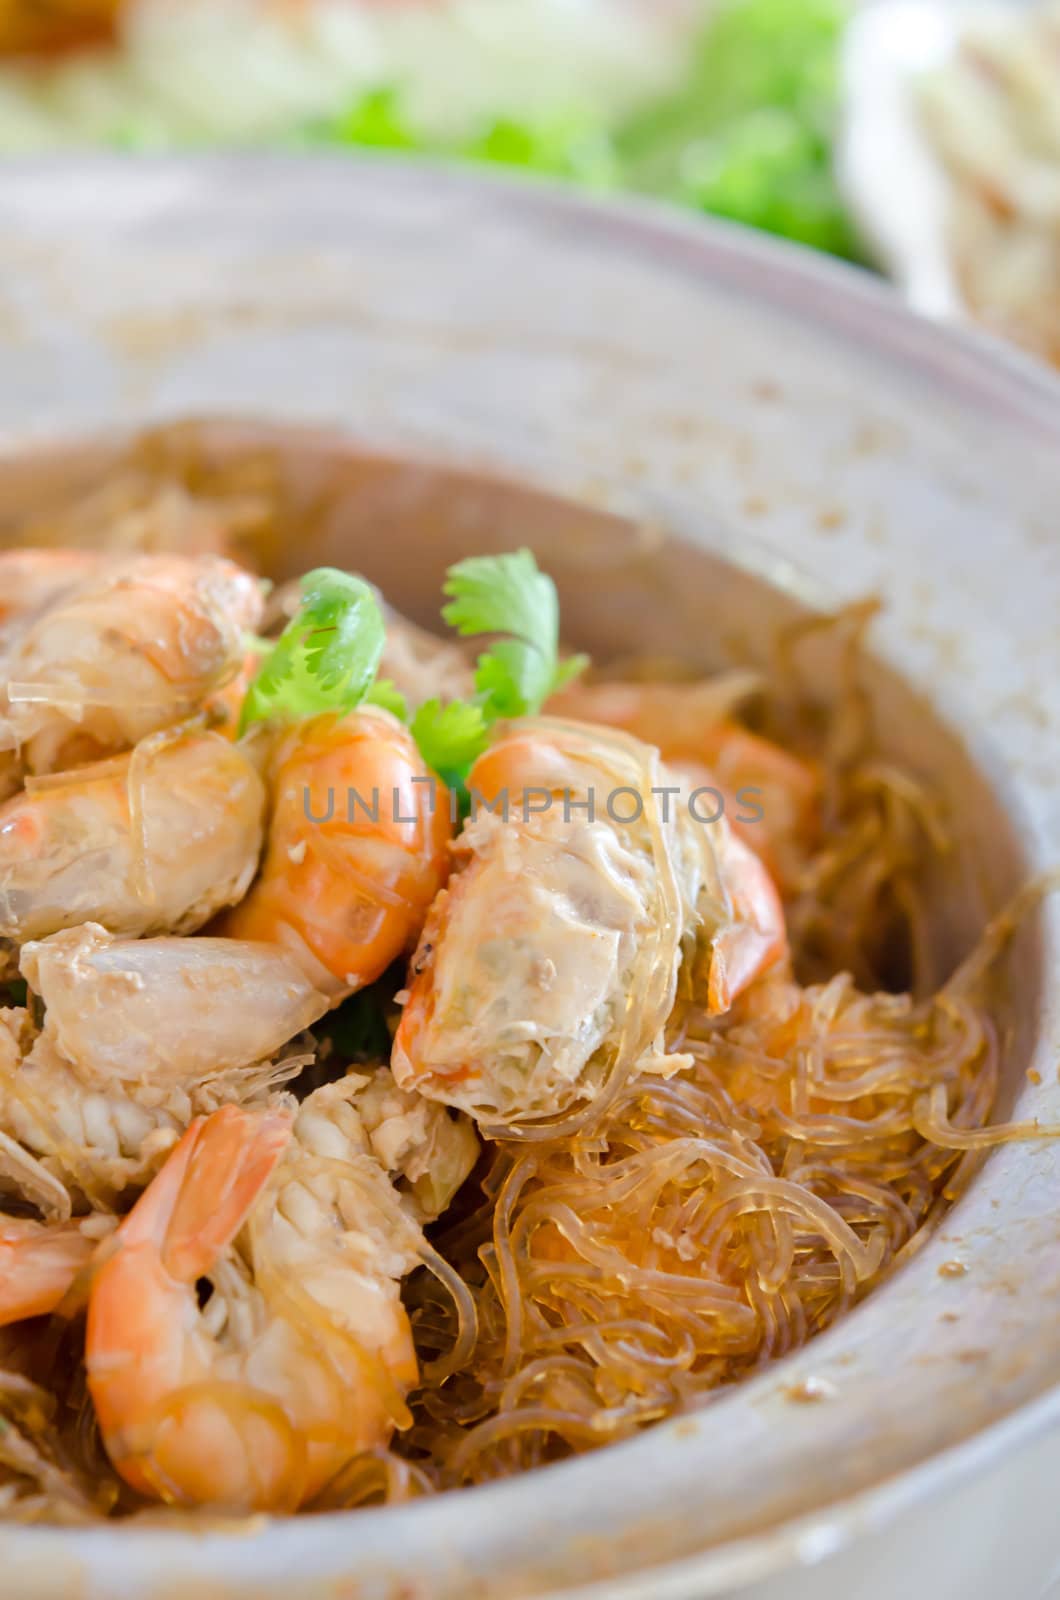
166 1010
40 1261
152 842
31 580
426 1150
772 798
356 850
135 647
549 965
302 1354
559 926
66 1143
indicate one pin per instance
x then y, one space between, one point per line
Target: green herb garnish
385 693
327 656
506 595
509 594
451 737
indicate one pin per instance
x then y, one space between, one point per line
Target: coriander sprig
451 736
509 594
326 658
506 595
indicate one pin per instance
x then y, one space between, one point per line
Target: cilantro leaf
327 656
451 737
509 595
511 679
568 670
503 594
385 693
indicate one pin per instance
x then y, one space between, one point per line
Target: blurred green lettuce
746 134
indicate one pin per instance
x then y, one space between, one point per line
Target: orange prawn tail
139 1308
225 1161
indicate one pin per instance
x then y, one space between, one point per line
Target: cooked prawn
753 938
427 1149
40 1262
356 849
772 797
557 929
169 1010
525 972
152 842
31 580
302 1354
222 710
140 1035
67 1143
135 647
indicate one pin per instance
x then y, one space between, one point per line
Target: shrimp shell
135 647
152 842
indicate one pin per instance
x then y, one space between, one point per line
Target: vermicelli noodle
709 1224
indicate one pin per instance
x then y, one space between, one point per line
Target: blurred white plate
891 179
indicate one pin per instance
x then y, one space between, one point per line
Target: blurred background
919 137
